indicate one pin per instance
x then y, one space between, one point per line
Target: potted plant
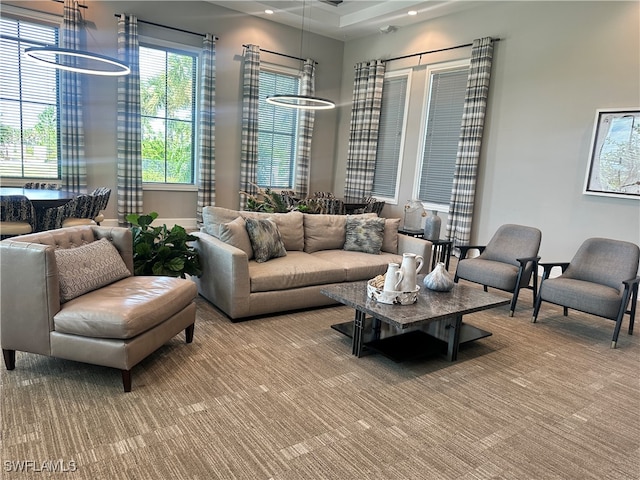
161 250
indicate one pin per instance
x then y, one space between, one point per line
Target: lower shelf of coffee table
411 345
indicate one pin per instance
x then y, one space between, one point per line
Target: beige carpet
282 398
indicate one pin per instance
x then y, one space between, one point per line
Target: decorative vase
439 279
413 215
432 226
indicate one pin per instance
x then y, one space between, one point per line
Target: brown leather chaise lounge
70 293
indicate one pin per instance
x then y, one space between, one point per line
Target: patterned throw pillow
364 234
89 267
265 239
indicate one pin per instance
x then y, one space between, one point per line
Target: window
29 118
442 121
277 131
393 119
168 108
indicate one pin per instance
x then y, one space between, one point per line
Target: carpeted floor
282 398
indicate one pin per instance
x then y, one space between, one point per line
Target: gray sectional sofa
239 285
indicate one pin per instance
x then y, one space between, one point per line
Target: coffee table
438 313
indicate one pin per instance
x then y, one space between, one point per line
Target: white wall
556 63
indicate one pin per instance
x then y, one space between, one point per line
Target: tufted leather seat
117 325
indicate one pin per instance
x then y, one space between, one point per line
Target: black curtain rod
434 51
281 54
167 26
62 1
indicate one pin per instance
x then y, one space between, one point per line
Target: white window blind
444 118
29 113
168 107
390 136
277 132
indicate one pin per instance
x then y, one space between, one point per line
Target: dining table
40 198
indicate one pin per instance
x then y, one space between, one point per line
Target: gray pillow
364 234
88 267
265 239
235 233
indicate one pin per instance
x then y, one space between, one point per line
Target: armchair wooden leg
126 380
9 358
188 332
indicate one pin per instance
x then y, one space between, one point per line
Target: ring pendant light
55 57
301 102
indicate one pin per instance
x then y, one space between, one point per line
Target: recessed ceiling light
412 12
268 11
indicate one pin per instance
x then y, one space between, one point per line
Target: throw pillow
235 233
214 217
88 267
364 234
390 240
265 239
290 226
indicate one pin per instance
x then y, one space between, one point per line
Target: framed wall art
614 156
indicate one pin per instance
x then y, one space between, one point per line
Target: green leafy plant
265 200
160 250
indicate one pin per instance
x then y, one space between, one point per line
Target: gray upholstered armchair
599 280
70 293
507 262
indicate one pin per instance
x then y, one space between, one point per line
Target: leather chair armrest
30 295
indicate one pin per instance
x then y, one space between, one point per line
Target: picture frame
614 154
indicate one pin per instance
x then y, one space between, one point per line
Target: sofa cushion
213 217
364 234
390 239
113 312
88 267
297 269
290 225
358 265
265 239
235 234
324 232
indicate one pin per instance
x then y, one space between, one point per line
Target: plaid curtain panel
305 130
466 169
365 124
73 163
207 125
129 194
249 152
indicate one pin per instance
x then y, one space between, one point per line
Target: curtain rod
62 1
281 54
434 51
166 26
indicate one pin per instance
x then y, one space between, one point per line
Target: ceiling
347 19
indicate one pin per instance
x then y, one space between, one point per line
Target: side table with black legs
441 248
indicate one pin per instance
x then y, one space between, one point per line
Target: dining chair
600 280
507 262
17 216
102 199
75 212
80 211
43 186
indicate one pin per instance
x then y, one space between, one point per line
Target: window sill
169 187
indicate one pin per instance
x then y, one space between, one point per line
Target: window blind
444 118
394 93
29 114
277 132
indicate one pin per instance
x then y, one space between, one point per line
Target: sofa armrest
225 275
29 297
419 246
